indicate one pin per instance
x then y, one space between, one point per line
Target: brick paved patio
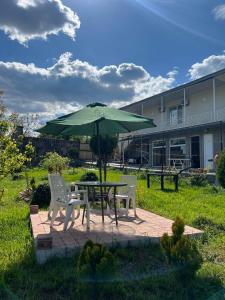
147 227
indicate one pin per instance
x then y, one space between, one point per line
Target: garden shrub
42 195
95 268
142 175
220 171
89 176
199 180
203 223
17 176
76 163
181 251
54 162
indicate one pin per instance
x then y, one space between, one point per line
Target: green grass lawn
142 273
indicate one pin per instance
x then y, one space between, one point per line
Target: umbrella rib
128 130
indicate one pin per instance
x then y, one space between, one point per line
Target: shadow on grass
142 274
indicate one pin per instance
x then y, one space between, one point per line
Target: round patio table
101 185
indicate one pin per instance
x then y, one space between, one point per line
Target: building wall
147 145
199 108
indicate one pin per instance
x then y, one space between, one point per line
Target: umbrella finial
95 104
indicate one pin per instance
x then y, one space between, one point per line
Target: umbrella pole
100 168
99 152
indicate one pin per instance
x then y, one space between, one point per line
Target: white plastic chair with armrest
126 193
62 197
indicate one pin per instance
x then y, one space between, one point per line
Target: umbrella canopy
96 119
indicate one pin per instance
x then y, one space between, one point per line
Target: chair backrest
131 180
58 188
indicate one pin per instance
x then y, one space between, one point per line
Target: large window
176 115
158 153
177 149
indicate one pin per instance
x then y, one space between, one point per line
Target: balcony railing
187 121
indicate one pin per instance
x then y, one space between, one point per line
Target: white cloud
24 20
219 12
69 84
208 65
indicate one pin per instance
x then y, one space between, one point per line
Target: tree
12 158
107 146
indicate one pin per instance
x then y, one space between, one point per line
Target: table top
99 184
162 173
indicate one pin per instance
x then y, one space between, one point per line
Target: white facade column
123 153
141 152
142 109
214 99
184 117
161 112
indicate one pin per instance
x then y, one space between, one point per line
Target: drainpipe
184 119
161 111
221 135
214 99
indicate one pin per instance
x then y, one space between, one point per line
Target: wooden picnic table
166 174
162 176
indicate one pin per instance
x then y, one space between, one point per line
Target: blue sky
58 55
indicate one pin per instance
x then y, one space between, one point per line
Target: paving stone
146 228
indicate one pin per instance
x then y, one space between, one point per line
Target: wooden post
162 182
148 181
176 180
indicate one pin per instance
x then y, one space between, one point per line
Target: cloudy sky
59 55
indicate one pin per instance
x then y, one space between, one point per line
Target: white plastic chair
127 193
62 197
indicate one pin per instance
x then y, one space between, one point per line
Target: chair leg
78 212
69 211
50 209
108 209
54 214
83 214
88 215
127 206
134 206
73 215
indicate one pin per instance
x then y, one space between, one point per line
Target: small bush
95 267
42 195
220 172
181 251
54 163
142 175
89 176
177 229
76 163
199 180
17 176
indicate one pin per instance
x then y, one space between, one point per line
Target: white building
190 124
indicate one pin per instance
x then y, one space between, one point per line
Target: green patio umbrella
96 119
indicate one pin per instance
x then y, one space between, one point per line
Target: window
158 153
177 148
176 115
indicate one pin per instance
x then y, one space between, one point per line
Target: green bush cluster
89 176
54 163
41 195
199 180
181 251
